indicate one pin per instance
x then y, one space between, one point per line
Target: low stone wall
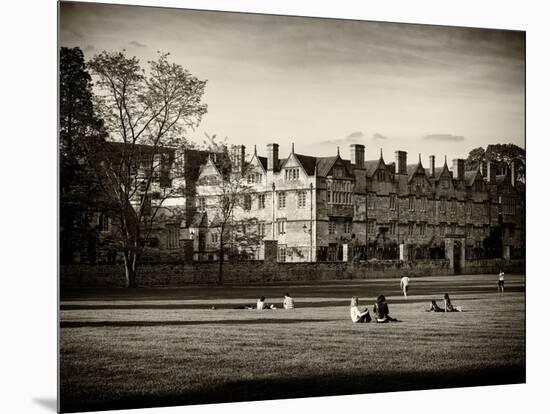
180 274
481 266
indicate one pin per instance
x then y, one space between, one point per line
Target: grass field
158 347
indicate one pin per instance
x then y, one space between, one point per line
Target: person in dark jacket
382 311
449 306
434 307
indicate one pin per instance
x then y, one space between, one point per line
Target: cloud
137 44
379 136
355 135
444 137
88 49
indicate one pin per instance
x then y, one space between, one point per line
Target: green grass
155 347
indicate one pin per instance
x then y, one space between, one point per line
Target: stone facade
334 209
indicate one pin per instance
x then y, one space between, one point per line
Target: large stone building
332 209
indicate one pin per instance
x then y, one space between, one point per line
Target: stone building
336 209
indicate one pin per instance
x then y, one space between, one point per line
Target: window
261 201
411 202
371 225
281 226
486 210
424 203
254 178
173 236
281 253
469 230
347 227
469 208
479 185
292 174
261 229
444 183
453 228
202 204
411 228
331 227
281 199
301 199
146 201
442 205
393 227
214 237
422 228
392 201
247 202
381 175
442 229
371 201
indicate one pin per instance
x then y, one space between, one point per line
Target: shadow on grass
49 403
302 387
125 324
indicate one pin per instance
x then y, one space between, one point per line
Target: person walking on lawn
405 285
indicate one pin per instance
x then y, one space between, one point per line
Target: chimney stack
357 152
491 172
513 174
458 169
238 157
432 166
272 157
400 162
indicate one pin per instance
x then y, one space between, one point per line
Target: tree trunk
130 269
221 260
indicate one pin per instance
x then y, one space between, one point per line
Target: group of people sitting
447 306
380 310
288 303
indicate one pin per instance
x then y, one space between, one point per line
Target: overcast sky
323 83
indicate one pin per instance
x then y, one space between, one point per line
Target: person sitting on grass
449 306
434 307
288 302
261 305
382 311
356 314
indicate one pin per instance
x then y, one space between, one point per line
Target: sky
327 83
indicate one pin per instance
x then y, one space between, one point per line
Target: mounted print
258 207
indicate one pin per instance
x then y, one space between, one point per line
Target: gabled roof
325 164
413 169
263 162
307 162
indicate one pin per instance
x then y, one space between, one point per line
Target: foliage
230 192
501 154
146 115
78 127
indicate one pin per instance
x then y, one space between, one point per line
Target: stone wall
179 274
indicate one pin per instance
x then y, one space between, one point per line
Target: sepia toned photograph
258 207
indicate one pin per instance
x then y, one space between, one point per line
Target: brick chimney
272 157
238 157
357 154
458 169
432 166
400 162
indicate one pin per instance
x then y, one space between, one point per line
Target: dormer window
292 174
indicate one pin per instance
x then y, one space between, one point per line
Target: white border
28 207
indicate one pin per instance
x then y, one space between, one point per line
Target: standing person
382 311
355 312
288 302
500 283
405 285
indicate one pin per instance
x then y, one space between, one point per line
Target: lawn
156 347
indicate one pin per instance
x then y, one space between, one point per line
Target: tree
231 194
145 115
78 126
500 153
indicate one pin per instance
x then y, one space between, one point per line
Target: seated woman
356 314
449 306
261 305
288 302
382 311
434 307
